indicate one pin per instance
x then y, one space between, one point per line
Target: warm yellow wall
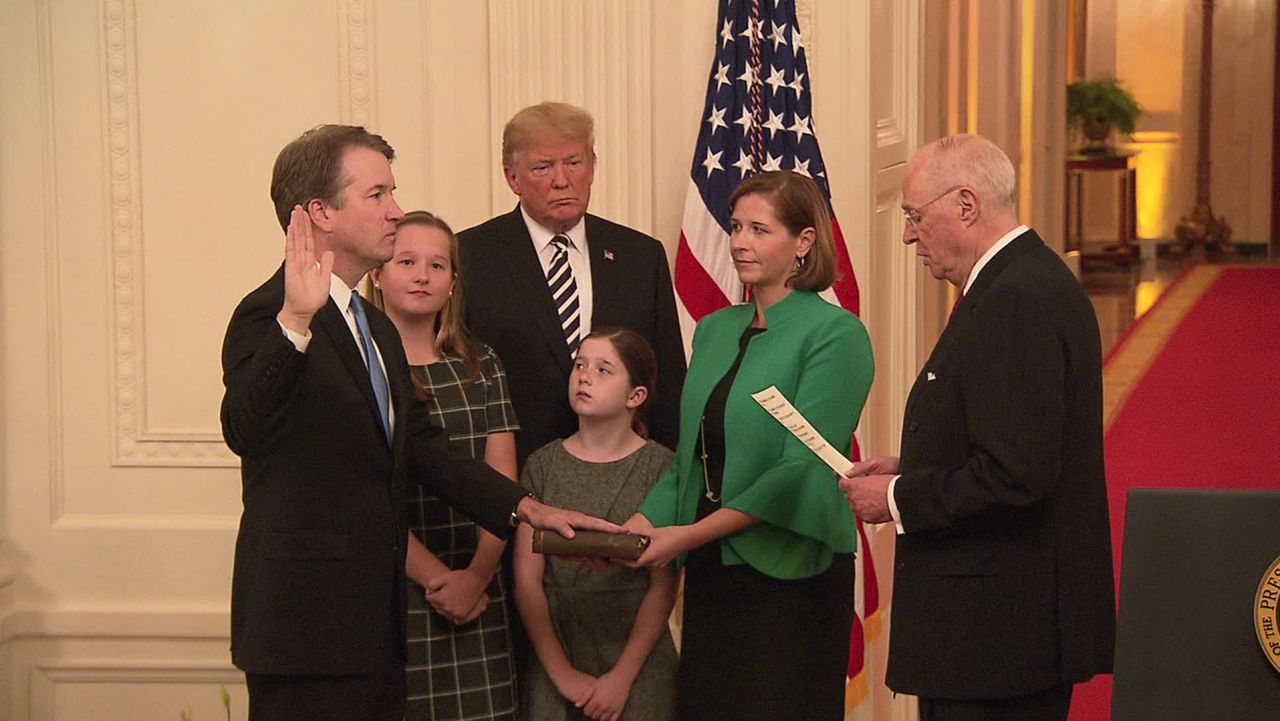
1153 46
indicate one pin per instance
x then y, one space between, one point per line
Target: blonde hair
536 122
798 204
452 336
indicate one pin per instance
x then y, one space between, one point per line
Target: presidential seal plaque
1264 614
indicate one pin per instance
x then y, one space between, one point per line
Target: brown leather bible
622 546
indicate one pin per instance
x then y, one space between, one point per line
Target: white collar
339 291
542 236
1005 239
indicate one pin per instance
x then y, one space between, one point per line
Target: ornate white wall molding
132 444
354 63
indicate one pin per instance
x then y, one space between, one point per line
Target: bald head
971 161
960 197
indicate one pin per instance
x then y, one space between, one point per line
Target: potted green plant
1096 107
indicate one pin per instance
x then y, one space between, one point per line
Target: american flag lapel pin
608 255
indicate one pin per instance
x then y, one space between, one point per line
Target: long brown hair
452 336
638 358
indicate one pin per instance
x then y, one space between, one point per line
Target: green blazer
819 356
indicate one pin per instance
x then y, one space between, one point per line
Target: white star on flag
776 79
774 124
722 76
801 128
717 119
779 35
798 85
771 163
712 162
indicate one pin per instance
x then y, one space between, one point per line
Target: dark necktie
376 376
564 291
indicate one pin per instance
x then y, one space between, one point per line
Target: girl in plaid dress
459 662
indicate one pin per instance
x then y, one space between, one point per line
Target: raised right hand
306 283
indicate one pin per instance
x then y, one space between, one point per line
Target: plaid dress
459 672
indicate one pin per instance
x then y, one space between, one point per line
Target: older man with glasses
1003 595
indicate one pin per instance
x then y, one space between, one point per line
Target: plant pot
1097 133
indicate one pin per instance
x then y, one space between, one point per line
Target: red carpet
1192 399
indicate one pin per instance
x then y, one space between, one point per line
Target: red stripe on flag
697 291
857 649
846 288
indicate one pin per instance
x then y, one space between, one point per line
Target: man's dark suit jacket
318 586
1003 579
510 307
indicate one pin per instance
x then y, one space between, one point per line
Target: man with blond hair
1003 595
540 277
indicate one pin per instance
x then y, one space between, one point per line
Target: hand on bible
540 515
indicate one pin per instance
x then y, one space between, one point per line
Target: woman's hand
664 545
639 525
457 595
609 697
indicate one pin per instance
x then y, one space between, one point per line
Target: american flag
758 117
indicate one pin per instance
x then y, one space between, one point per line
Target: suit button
914 425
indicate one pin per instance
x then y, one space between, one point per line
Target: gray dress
593 612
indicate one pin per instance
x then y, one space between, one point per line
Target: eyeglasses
913 215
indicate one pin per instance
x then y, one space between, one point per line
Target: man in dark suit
1003 595
320 408
523 302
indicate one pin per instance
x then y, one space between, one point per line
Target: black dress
753 646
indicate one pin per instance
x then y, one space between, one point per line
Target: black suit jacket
510 307
1003 579
318 586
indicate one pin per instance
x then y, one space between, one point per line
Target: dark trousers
1050 705
375 697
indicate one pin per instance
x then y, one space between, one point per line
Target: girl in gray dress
604 649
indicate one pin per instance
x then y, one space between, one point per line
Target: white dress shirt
579 262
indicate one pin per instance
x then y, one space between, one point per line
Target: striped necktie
564 291
376 377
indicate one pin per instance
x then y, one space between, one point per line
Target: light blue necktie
376 376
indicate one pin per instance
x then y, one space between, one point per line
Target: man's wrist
300 324
516 516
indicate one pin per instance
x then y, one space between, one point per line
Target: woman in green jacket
755 518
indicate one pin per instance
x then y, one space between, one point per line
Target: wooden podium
1186 647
